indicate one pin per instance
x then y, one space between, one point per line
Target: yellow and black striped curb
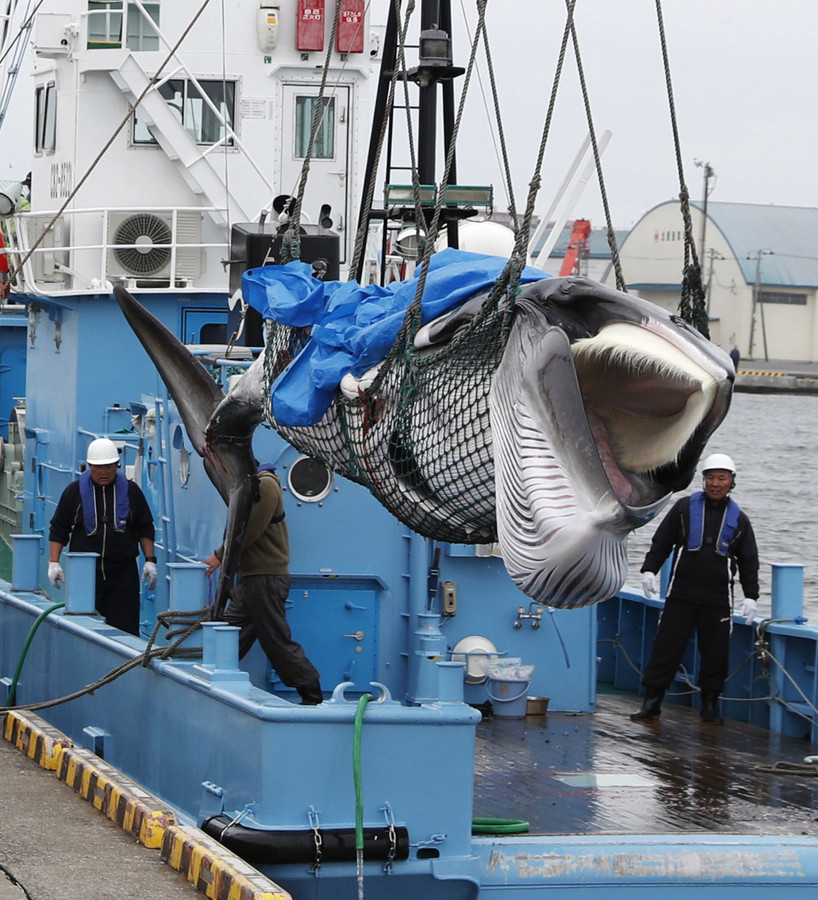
36 738
119 798
766 374
214 870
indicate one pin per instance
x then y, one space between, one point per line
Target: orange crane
576 246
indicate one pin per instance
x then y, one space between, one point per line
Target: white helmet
102 452
719 461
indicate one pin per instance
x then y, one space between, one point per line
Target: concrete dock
56 846
74 828
758 376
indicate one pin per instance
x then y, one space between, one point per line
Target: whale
592 413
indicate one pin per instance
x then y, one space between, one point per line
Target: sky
745 84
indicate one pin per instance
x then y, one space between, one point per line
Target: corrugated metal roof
787 236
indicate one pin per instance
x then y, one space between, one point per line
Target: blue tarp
354 327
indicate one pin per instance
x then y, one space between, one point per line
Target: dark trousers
257 607
713 625
117 595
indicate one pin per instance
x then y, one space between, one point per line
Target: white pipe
566 181
565 211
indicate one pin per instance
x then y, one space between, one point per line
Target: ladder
196 169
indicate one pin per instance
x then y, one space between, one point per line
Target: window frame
188 107
133 31
303 110
45 118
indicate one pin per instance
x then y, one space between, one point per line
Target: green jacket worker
257 603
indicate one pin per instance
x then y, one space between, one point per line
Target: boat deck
600 773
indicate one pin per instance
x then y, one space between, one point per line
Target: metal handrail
19 238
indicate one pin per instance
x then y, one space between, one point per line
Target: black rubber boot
710 708
651 707
311 694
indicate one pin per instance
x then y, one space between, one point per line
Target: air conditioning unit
47 256
139 245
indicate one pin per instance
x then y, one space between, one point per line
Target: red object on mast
578 244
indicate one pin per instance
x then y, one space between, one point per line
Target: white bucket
508 698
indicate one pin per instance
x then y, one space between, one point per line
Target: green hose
356 771
499 826
12 694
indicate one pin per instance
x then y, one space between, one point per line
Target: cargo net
418 437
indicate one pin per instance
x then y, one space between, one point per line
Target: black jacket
113 546
704 576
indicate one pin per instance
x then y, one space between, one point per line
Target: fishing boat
169 159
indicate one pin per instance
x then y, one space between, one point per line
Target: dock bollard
226 647
787 590
220 656
80 583
25 562
450 679
188 589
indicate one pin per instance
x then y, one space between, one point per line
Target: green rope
499 826
12 692
356 771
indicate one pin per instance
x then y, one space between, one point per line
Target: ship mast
434 70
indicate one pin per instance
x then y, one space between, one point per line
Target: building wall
652 261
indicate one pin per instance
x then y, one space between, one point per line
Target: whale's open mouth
590 439
644 400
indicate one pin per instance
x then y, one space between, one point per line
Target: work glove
55 574
749 609
149 574
650 585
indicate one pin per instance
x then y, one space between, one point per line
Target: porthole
309 479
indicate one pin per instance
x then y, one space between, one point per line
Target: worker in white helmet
710 538
105 513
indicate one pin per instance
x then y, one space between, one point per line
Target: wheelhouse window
198 117
45 134
106 18
141 31
324 146
104 24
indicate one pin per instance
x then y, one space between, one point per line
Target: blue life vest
729 524
122 506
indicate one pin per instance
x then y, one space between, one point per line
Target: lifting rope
291 242
692 305
363 224
127 118
617 266
512 206
416 415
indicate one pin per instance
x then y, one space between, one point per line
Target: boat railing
88 250
773 669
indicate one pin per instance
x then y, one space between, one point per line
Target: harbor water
772 439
